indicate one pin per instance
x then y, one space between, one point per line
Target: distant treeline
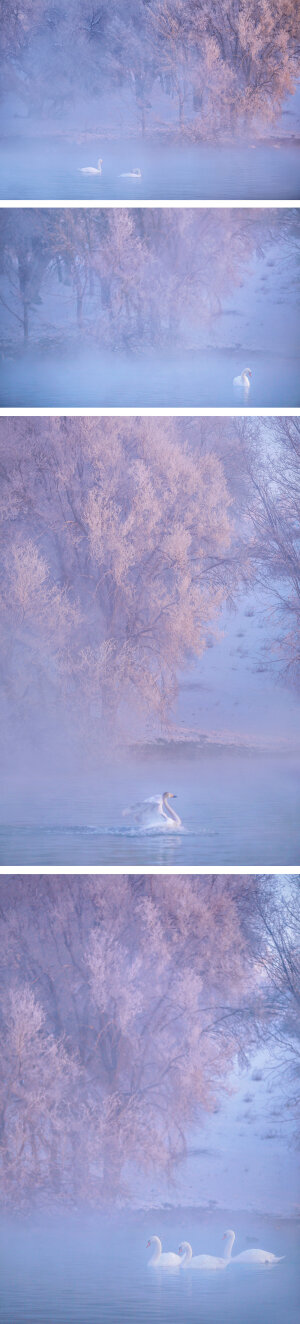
221 63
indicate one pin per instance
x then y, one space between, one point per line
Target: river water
235 810
90 378
50 168
83 1270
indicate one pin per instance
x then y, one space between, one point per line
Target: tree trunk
112 1171
79 302
109 711
180 107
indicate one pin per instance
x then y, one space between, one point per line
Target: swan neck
156 1250
170 812
228 1247
187 1254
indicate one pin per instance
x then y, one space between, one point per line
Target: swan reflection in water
186 1260
156 812
131 174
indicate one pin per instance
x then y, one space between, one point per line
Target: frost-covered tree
274 514
125 1002
245 61
39 1124
139 276
115 559
224 63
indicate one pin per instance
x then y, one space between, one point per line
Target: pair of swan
244 379
97 170
186 1260
255 1256
150 812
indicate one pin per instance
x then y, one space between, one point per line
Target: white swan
244 379
248 1256
190 1261
150 812
92 170
131 174
160 1257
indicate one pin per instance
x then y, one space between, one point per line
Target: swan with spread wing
156 811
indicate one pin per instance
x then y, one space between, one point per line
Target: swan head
246 372
229 1237
185 1252
100 162
169 795
153 1241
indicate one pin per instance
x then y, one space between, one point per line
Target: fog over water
233 812
50 168
61 1271
90 379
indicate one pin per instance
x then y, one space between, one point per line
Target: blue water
234 811
89 378
49 168
85 1270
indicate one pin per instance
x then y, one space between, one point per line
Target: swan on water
190 1261
92 170
244 379
248 1256
150 812
131 174
160 1257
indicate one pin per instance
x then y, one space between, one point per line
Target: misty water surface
88 377
85 1270
234 810
50 168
